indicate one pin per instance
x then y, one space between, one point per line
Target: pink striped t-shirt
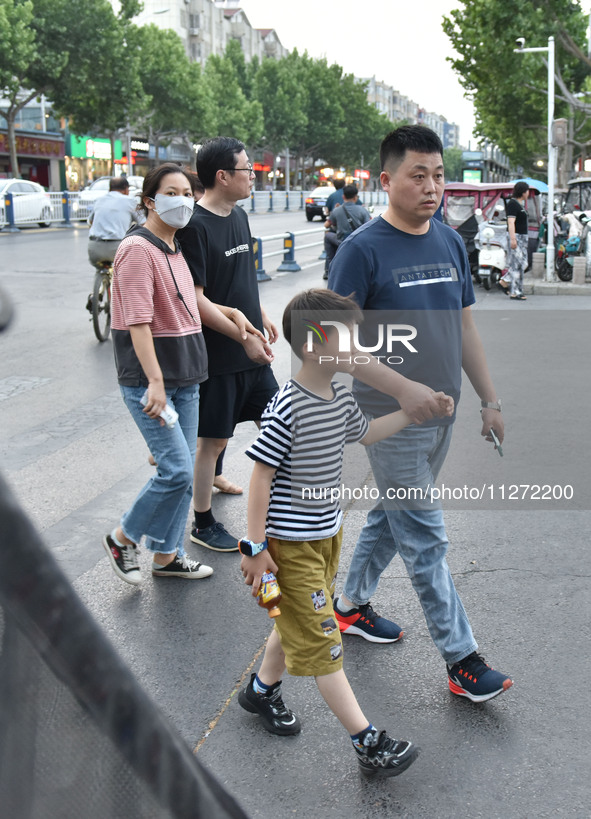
143 290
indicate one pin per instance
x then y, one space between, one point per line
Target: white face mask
175 211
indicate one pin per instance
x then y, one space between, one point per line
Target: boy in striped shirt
294 527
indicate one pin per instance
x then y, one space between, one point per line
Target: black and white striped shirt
303 437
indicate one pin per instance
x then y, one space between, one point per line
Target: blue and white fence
281 201
68 207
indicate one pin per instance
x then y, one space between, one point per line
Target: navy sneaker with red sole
474 679
364 622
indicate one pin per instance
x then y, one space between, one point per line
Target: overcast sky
401 42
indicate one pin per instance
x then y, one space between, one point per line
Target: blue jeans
160 510
412 458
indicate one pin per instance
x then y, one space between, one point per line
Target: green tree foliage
282 99
320 84
177 100
69 50
509 89
17 52
107 75
237 116
100 90
362 128
452 162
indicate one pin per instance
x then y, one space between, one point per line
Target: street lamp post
551 151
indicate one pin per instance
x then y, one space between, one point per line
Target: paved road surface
74 457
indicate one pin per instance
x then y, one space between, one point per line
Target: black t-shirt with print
218 250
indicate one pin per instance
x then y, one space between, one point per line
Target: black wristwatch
249 549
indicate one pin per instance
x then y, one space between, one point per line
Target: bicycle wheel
101 304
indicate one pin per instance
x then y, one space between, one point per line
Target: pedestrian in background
111 218
341 222
516 211
336 198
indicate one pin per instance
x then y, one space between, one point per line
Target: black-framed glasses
248 168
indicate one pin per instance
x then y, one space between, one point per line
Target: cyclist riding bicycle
110 220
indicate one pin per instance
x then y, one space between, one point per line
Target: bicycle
99 301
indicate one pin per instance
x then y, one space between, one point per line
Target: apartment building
206 26
398 107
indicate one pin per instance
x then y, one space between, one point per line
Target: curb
540 288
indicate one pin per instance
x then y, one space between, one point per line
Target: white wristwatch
496 405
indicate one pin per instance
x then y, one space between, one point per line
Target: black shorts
226 400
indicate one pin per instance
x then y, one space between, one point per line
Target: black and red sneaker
124 560
474 679
364 622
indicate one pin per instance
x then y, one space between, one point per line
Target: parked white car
100 187
83 202
32 203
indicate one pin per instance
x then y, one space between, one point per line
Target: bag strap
349 219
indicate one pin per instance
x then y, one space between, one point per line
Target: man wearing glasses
218 248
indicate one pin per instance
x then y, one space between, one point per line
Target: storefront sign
86 147
32 146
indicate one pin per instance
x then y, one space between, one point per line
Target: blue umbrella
541 187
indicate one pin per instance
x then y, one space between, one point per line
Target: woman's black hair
519 189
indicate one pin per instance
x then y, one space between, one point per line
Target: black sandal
519 298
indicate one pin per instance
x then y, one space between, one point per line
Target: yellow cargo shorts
307 627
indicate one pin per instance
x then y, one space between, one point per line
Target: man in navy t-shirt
409 269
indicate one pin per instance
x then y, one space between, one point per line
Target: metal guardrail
67 207
288 263
278 201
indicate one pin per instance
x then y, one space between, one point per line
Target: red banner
34 146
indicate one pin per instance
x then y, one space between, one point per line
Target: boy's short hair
314 305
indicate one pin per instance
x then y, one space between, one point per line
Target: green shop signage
87 147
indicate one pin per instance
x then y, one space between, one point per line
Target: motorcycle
491 242
568 248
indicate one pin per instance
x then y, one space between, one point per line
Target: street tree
509 90
356 142
111 96
68 50
452 162
236 115
282 100
201 111
173 89
320 85
17 52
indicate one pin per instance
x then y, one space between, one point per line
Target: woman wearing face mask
161 358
